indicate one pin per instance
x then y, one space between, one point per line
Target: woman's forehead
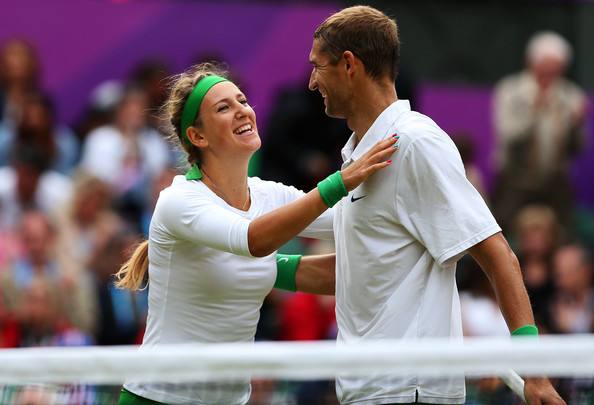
222 91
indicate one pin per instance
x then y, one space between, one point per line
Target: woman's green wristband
286 267
332 189
526 330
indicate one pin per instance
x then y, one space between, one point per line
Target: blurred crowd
75 200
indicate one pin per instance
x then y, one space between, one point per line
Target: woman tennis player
215 231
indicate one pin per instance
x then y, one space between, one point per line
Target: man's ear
196 137
350 62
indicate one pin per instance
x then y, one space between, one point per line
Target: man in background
539 118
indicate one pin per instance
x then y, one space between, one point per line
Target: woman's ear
196 137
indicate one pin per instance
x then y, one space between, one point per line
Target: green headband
194 100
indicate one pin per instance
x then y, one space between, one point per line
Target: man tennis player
399 234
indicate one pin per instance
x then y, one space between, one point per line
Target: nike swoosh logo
283 259
353 198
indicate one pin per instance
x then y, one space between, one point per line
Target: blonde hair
134 272
180 88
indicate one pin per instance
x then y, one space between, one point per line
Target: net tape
551 355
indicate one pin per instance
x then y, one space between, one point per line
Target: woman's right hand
369 163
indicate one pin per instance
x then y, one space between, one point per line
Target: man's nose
313 84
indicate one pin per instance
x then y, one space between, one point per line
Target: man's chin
333 114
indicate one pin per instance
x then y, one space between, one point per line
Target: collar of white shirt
375 133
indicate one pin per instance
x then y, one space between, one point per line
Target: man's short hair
368 33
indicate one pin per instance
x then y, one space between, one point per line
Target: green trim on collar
194 174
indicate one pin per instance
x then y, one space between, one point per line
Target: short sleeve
437 204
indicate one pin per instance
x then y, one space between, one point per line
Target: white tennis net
553 356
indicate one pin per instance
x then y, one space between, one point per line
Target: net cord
552 356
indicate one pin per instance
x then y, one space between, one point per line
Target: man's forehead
315 55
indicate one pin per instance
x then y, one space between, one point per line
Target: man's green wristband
286 267
526 330
332 189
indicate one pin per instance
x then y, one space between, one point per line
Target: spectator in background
123 312
137 154
152 75
19 73
40 258
304 317
572 309
29 184
37 129
36 394
162 181
100 108
536 232
87 221
44 323
300 125
539 119
465 145
572 305
481 315
9 332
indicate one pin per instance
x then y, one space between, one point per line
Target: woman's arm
272 230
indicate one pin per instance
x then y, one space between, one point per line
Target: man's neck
366 111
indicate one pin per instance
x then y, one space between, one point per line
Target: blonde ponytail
132 274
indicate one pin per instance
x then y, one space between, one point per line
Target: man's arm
501 266
316 274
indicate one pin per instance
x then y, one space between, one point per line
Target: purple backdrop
83 43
